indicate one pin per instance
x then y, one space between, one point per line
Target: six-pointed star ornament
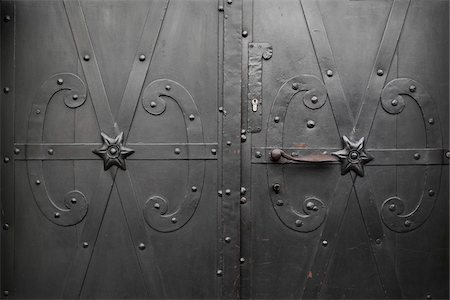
113 152
353 156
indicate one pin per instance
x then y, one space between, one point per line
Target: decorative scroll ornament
353 157
113 152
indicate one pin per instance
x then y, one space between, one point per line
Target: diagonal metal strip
380 249
339 104
74 280
143 249
90 67
141 64
330 234
380 68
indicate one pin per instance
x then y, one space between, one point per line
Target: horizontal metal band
83 151
382 157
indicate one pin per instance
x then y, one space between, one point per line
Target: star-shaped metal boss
113 152
353 156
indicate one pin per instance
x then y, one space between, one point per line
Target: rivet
310 124
245 33
258 154
229 1
378 241
228 191
298 223
329 73
242 260
243 190
57 215
412 88
392 207
431 193
5 226
75 97
394 102
280 202
220 109
220 7
219 272
38 111
6 159
51 151
309 205
220 193
447 154
141 246
73 200
354 155
16 150
191 117
295 86
60 81
324 243
156 205
294 154
5 293
168 87
276 187
113 151
314 99
315 208
213 151
174 220
229 143
243 131
86 57
6 90
428 296
38 182
276 119
227 239
142 57
431 121
380 72
243 138
407 223
85 244
177 151
243 200
153 104
7 18
416 156
194 188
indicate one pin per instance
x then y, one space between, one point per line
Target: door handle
276 154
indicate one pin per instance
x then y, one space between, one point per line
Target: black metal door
224 149
348 181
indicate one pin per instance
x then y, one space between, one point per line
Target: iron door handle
276 154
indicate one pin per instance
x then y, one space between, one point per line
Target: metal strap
339 104
381 67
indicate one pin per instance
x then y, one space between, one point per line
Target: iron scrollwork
75 201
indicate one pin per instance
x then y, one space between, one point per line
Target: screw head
85 244
51 151
394 102
6 90
86 57
177 151
227 239
280 202
174 220
298 223
295 86
329 73
412 88
6 159
243 200
416 156
60 81
380 72
431 193
392 207
141 246
245 33
314 99
5 226
142 57
258 154
310 124
276 119
407 223
7 18
168 87
228 191
324 243
431 121
194 188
